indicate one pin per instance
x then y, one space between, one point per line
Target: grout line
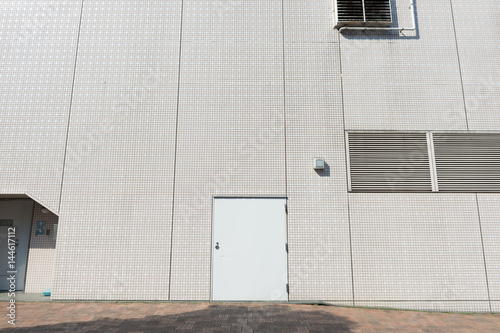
285 134
284 93
175 153
70 107
459 65
484 255
347 166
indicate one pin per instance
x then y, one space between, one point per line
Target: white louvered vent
362 13
389 162
467 162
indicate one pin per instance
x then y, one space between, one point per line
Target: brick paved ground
225 317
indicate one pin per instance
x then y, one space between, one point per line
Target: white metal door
249 255
15 214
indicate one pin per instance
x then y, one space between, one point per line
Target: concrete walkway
24 297
226 317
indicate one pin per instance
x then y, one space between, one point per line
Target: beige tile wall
456 306
417 247
37 54
319 258
117 190
489 208
409 82
264 87
230 138
478 60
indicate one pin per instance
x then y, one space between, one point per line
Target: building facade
141 139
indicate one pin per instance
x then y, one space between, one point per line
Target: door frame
212 237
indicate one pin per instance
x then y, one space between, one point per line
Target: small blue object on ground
47 292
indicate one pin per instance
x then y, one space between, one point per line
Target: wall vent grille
363 13
467 162
389 162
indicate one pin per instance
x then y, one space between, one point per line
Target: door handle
217 246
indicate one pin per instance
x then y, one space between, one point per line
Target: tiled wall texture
126 117
411 82
116 207
37 58
230 134
478 61
318 224
489 207
416 247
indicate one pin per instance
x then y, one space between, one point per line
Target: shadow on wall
325 172
215 318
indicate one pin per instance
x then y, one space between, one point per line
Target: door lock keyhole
217 246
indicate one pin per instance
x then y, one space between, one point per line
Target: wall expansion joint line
482 247
459 65
284 92
347 169
284 137
70 107
175 152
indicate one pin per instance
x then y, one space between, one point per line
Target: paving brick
240 318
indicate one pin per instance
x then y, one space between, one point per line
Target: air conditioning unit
362 13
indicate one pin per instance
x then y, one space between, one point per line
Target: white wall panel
231 129
446 306
417 247
409 82
479 54
265 87
489 209
319 258
116 213
495 306
37 57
